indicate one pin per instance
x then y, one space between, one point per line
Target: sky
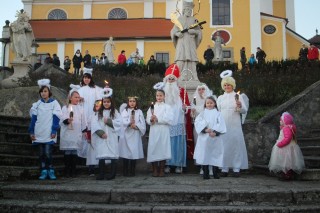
306 14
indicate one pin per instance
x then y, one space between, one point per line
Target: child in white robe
209 124
159 117
73 128
106 128
45 117
130 143
286 156
89 93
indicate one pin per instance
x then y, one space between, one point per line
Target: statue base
21 69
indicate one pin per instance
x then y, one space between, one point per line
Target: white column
87 8
61 51
5 54
148 9
284 39
171 7
255 25
290 14
140 46
77 45
266 6
27 6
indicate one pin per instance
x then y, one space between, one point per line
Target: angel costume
234 147
90 95
159 147
209 150
106 148
130 143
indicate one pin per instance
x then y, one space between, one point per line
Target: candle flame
238 92
105 81
151 103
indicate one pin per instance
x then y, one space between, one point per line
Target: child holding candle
231 106
209 124
45 117
89 93
106 128
286 156
73 128
130 143
159 117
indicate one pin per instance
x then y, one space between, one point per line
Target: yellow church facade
269 24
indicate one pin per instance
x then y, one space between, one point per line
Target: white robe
71 139
209 150
159 147
235 152
130 142
43 125
106 148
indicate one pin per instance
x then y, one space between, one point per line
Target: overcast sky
306 12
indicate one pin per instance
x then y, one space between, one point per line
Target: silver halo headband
158 86
226 73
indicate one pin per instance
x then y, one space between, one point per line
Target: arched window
57 14
117 13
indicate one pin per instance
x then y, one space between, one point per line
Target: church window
221 12
163 58
57 14
117 13
269 29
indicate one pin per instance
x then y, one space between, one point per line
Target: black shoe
236 174
224 174
216 172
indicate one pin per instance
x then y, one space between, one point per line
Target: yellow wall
279 8
159 9
272 44
42 11
100 11
47 48
152 47
293 46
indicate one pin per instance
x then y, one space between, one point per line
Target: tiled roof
96 29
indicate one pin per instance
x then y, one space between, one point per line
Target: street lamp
5 39
34 47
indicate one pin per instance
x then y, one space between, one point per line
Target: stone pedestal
21 69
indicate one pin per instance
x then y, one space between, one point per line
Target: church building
63 26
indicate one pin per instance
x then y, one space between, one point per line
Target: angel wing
122 107
246 102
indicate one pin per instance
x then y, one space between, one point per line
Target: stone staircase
18 158
310 147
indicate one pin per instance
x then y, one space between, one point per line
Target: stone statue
218 41
186 43
109 46
22 36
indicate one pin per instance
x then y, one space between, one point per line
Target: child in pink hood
286 156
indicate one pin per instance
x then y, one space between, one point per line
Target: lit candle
71 112
236 96
107 83
132 113
152 108
194 100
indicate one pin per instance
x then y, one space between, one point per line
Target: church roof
315 40
97 29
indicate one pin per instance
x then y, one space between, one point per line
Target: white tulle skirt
286 158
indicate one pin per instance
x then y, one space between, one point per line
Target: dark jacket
208 54
77 61
87 60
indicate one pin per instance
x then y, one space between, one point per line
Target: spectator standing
48 59
208 54
77 59
243 57
261 56
122 57
87 59
103 59
56 60
67 63
37 65
313 53
303 53
252 61
151 64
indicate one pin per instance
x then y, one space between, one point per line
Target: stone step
187 190
18 206
312 141
312 161
14 120
13 127
307 174
310 150
315 132
26 160
14 148
21 137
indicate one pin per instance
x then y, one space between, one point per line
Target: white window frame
231 16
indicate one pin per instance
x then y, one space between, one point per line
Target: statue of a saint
218 41
22 36
186 43
109 46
